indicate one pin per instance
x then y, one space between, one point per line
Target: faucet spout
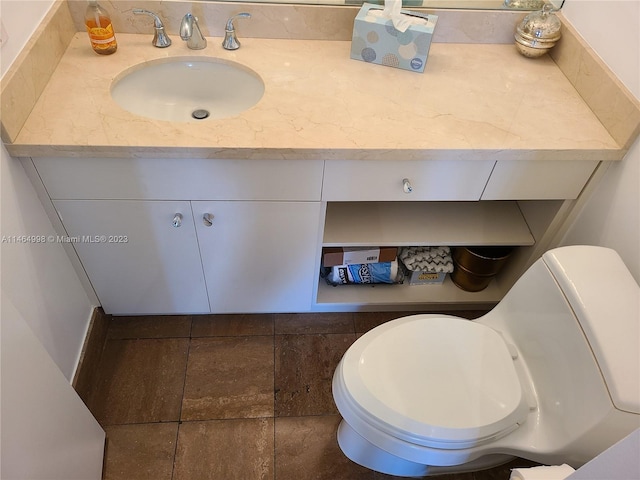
190 33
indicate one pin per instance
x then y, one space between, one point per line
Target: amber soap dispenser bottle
100 29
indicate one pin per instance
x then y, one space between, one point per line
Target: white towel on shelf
555 472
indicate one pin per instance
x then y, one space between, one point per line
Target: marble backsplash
290 21
27 77
614 105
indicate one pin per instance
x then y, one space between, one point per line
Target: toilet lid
436 381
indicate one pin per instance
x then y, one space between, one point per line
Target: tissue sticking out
393 10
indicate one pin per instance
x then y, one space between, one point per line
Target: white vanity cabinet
245 240
141 256
258 256
251 232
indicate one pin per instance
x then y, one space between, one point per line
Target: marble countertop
474 101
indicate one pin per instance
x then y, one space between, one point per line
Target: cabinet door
258 256
137 260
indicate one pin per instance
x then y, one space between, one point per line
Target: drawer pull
406 185
207 219
177 220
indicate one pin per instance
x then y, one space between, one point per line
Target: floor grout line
184 384
275 358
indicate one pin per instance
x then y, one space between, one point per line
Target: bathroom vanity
231 215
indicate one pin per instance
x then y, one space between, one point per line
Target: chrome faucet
160 39
190 33
230 41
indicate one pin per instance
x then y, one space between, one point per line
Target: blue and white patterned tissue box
376 40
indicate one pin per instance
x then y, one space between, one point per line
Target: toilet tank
606 301
574 319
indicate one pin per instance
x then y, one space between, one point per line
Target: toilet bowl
551 374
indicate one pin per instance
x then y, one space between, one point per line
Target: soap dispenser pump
100 29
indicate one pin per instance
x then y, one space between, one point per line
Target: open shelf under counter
402 296
425 223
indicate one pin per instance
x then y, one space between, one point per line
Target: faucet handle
230 41
160 39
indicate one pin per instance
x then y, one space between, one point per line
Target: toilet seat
432 380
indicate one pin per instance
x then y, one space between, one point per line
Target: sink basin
187 89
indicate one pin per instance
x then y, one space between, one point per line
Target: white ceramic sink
183 89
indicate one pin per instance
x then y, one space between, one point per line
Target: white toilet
551 374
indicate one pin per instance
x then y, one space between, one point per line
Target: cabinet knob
177 220
406 185
207 219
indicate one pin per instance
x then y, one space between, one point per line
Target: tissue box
332 256
375 40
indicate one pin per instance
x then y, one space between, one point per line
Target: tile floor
228 397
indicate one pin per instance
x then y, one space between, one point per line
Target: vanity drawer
180 179
365 180
538 180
